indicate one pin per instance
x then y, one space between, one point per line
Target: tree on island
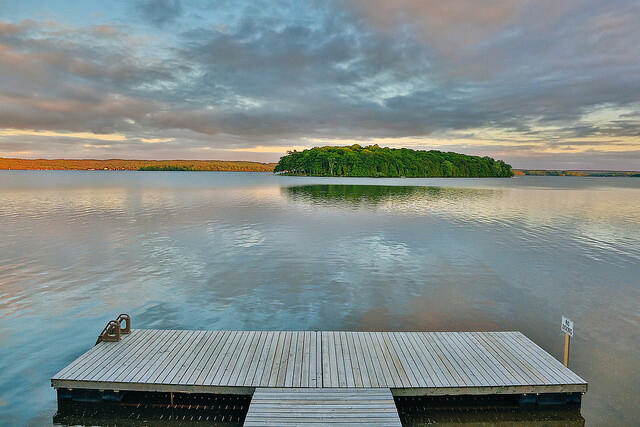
375 161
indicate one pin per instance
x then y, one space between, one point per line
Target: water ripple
254 251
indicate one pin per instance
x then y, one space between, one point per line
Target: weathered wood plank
306 356
284 359
217 358
325 360
291 360
451 363
377 359
268 362
197 365
222 358
432 362
296 380
551 366
137 351
319 364
232 375
152 357
313 364
342 376
518 375
522 363
406 357
174 350
250 358
93 354
104 358
147 346
366 361
258 352
208 360
392 376
273 377
424 372
353 359
183 359
231 359
467 362
401 368
493 367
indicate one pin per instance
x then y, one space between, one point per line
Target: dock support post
567 343
171 393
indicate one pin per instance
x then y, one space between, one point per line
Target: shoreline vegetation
230 166
375 161
134 165
593 173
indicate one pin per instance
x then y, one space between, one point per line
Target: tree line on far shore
375 161
145 165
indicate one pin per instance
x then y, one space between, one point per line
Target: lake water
257 251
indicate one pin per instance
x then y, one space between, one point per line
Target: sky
539 84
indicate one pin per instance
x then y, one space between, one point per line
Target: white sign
567 326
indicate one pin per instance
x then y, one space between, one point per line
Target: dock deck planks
321 406
409 363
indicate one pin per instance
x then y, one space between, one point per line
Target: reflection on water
378 195
256 251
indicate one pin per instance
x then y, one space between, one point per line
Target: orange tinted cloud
50 133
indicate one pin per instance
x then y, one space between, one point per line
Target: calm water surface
257 251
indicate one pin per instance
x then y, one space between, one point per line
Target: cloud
47 133
97 145
504 78
270 149
450 27
156 140
159 12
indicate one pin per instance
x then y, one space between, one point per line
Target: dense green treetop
375 161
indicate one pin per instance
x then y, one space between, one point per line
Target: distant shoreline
134 165
576 172
232 166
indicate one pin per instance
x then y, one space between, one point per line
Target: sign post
567 328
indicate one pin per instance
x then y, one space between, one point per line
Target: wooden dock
328 406
410 363
313 365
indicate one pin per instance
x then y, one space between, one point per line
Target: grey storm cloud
159 12
273 75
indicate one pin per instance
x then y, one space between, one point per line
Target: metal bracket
114 328
123 317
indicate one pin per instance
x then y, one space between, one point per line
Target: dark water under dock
231 410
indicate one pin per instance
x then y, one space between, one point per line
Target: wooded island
375 161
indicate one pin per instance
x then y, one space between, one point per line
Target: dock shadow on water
158 409
143 409
495 411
